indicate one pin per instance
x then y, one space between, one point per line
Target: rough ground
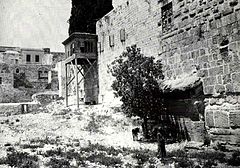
93 136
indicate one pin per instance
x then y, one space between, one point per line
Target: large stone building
198 42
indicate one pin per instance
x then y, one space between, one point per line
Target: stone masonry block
219 88
209 81
236 81
227 79
234 119
208 90
221 119
234 67
227 10
229 88
216 71
209 118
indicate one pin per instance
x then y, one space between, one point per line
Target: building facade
29 70
198 42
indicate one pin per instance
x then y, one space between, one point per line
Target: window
72 49
0 80
81 45
28 58
17 70
42 74
88 47
167 12
36 58
16 61
111 40
122 35
102 42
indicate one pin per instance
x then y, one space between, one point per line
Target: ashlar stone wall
189 36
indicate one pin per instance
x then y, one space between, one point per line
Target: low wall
7 109
222 117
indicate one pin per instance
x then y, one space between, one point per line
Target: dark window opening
0 80
122 35
28 58
88 47
36 58
167 13
224 50
81 45
17 70
42 74
111 40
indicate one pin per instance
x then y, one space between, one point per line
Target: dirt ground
92 136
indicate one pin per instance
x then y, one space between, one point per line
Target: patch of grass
209 155
103 159
58 163
21 160
177 153
142 156
110 150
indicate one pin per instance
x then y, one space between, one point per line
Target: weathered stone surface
219 88
209 118
236 81
229 139
234 118
221 119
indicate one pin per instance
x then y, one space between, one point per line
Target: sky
34 23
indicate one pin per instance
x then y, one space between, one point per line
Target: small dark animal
135 133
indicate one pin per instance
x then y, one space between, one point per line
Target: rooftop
79 35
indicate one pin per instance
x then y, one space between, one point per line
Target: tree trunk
145 128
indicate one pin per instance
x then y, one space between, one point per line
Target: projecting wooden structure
81 57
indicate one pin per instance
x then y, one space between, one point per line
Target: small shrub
209 155
184 162
21 160
220 147
54 152
209 164
235 159
58 163
93 126
142 156
177 153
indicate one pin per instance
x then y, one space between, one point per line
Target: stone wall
189 36
8 109
139 21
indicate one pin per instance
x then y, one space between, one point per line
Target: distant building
28 69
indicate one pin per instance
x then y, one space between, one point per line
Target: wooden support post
66 86
76 83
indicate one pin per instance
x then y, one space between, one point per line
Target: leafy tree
136 83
